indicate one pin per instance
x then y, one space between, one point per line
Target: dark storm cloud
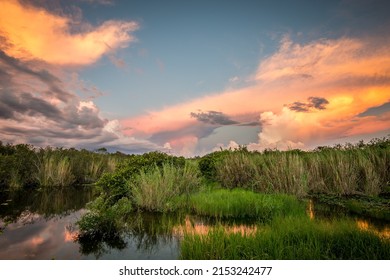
376 111
35 103
13 67
213 117
26 104
299 107
52 132
318 103
37 107
84 117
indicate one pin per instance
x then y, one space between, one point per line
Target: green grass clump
239 203
292 238
159 189
238 170
54 170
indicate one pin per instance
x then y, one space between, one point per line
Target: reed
342 170
158 188
238 170
54 170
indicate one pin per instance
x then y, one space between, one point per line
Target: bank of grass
244 204
342 170
25 166
67 167
291 238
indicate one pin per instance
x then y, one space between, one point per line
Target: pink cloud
351 74
33 33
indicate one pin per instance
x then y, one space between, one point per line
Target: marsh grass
283 172
54 170
238 170
159 188
347 172
27 166
342 170
293 238
244 204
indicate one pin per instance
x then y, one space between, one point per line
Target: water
41 225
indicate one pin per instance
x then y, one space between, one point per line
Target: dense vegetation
341 170
268 188
23 166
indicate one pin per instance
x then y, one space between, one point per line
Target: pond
41 225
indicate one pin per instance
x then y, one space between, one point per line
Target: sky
192 77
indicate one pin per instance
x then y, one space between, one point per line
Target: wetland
329 203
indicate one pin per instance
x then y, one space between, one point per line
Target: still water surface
41 225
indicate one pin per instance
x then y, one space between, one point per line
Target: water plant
27 166
342 170
244 204
158 188
293 238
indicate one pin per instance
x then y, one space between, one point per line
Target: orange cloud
29 32
351 74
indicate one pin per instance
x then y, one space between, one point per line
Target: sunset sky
191 77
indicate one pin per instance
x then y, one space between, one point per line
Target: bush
208 164
103 219
17 166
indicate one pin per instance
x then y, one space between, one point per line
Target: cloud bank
303 95
38 100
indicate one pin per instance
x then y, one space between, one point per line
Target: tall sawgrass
54 170
158 189
239 203
27 166
238 170
97 165
283 173
342 170
276 172
293 238
61 168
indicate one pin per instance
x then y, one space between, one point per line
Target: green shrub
208 164
17 166
113 187
103 219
